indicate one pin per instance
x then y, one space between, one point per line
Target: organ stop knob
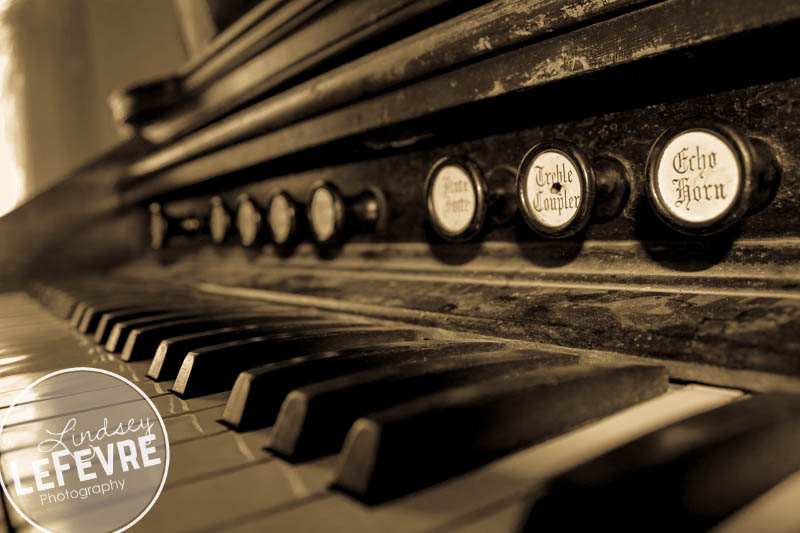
249 220
459 199
163 227
455 193
705 176
282 219
559 188
219 220
333 217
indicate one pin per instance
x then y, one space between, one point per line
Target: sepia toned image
355 266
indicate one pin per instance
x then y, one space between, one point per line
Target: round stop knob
333 217
455 192
219 220
705 176
559 188
249 220
163 227
282 219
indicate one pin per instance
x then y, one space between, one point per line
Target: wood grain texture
139 105
313 36
230 34
279 22
477 33
726 328
628 38
196 25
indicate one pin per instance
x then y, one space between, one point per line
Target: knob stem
769 172
500 182
366 211
612 187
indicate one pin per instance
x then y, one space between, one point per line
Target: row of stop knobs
701 178
328 217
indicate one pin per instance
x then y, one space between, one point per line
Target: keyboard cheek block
435 437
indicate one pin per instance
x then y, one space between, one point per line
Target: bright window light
12 178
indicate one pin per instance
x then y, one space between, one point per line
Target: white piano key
79 401
775 511
171 405
199 458
43 345
194 425
209 503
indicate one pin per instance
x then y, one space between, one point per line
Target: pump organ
360 349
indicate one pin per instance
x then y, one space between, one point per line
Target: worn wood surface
732 328
290 42
286 17
621 40
477 33
754 268
139 104
229 35
196 25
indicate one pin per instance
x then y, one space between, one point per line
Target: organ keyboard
217 436
441 266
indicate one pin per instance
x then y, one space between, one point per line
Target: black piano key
41 292
139 310
119 333
84 315
108 320
86 306
56 301
413 445
61 304
104 294
77 313
171 352
215 369
314 420
143 342
92 315
38 291
697 471
259 392
111 295
91 318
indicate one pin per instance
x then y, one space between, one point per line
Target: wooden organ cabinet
542 259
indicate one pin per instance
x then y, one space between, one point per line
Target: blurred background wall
59 59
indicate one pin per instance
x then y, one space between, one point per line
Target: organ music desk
445 266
